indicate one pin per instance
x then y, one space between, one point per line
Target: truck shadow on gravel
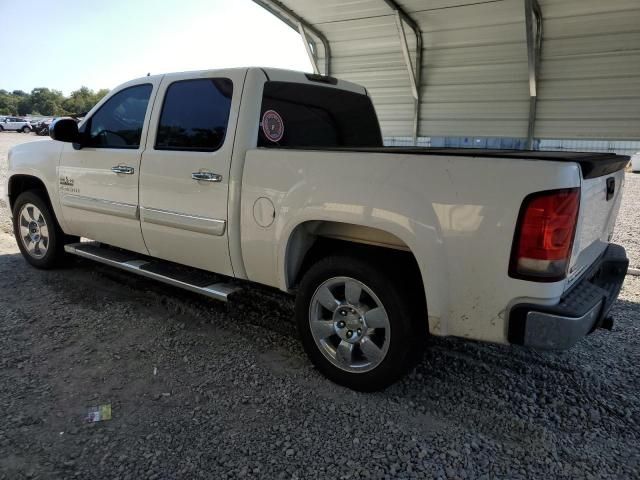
89 334
584 371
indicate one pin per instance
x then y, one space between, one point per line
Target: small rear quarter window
316 116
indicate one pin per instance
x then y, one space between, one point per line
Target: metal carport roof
494 68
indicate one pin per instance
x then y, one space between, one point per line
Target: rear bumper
580 311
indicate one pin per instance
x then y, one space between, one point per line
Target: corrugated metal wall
474 80
365 48
590 75
475 77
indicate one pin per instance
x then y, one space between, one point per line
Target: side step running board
187 278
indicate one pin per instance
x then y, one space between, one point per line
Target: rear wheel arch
312 241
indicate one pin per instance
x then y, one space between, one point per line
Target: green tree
83 100
24 105
45 101
8 103
100 94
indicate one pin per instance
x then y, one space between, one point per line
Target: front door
184 179
98 180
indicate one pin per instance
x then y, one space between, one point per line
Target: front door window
119 121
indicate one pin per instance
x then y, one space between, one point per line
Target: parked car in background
635 163
15 124
42 127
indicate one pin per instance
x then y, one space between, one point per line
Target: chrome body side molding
193 223
108 207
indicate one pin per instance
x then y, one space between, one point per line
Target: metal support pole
292 19
407 55
533 24
415 71
307 46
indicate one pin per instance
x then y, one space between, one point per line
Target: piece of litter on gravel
155 371
99 413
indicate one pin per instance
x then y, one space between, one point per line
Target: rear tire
357 323
26 129
39 237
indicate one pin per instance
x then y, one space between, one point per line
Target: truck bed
593 165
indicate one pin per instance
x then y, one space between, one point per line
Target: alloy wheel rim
349 324
34 232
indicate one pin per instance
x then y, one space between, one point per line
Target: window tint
298 115
118 123
195 115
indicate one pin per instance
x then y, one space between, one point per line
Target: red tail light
544 235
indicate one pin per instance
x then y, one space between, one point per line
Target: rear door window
195 115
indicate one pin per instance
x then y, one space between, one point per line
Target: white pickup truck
207 180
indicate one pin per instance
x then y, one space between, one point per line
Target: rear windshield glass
296 115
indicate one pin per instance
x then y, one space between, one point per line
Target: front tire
26 129
40 239
356 322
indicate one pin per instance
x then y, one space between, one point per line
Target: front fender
38 159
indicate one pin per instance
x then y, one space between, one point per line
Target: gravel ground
201 389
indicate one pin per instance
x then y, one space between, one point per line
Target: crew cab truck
209 180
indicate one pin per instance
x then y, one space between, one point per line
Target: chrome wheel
34 232
349 324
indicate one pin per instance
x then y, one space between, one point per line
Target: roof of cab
275 74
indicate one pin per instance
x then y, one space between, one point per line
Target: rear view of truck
565 235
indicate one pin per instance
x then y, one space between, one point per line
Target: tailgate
599 204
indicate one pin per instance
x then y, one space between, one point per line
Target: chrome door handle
123 169
206 177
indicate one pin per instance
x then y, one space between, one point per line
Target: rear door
98 182
184 182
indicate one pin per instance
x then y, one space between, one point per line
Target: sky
65 44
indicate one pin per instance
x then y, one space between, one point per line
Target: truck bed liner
593 165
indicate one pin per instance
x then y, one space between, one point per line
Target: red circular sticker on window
272 125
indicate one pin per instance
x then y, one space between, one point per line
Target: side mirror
64 130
